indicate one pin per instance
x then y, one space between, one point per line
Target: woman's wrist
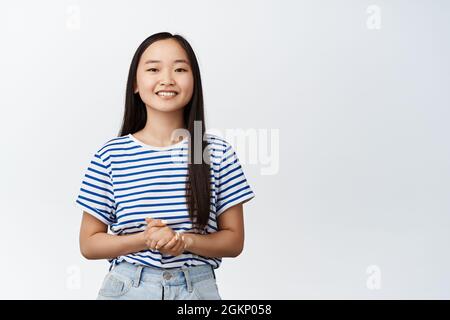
189 241
141 239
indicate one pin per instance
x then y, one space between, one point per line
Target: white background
359 208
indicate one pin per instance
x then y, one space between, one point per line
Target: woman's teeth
166 94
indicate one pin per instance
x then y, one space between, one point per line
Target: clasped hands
159 236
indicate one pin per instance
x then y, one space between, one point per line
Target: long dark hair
198 188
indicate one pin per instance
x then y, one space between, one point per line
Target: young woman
171 216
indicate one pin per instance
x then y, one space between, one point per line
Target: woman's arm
96 243
227 242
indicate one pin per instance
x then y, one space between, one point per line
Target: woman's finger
177 249
162 242
151 228
154 223
153 244
169 245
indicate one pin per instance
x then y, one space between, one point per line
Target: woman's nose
167 78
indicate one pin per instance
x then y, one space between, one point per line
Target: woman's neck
160 126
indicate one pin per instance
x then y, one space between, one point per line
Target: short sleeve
96 195
233 187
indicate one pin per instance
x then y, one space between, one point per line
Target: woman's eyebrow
175 61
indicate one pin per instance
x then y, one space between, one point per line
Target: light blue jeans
127 281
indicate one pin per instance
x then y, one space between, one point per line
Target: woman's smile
166 95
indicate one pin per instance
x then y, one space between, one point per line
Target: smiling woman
171 221
164 73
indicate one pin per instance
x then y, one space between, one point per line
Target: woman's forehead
164 51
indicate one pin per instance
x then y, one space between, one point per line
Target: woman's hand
158 236
175 246
157 233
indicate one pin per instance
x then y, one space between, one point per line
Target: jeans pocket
206 290
114 285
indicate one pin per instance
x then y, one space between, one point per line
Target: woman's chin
165 107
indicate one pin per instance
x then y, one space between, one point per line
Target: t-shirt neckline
148 146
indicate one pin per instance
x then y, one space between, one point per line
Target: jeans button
167 275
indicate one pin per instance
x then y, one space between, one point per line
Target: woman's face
164 66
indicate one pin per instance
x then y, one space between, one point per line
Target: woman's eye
151 69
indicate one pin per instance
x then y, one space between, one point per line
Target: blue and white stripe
127 181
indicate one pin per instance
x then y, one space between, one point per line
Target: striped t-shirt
128 180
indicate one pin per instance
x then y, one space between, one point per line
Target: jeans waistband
161 276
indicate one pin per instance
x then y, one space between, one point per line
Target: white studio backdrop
355 204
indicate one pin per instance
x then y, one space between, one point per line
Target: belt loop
137 276
214 274
188 278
